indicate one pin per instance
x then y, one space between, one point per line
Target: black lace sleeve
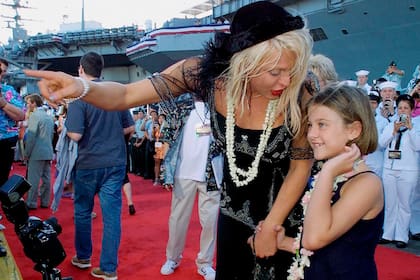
182 79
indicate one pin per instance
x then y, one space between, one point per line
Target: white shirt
409 147
193 154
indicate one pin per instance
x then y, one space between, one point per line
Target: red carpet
144 236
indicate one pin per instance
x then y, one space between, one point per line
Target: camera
403 118
388 103
39 238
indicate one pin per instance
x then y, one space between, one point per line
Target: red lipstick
277 92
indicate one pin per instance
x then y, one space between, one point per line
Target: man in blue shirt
11 111
100 169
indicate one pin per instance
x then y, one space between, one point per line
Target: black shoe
416 236
131 209
384 241
400 244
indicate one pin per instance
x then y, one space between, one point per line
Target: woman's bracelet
85 91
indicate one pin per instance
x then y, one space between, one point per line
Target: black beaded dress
352 255
242 208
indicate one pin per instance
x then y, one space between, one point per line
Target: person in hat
393 74
375 159
251 78
387 108
362 80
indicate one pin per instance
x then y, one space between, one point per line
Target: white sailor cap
362 73
387 84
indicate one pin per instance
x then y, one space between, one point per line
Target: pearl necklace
247 175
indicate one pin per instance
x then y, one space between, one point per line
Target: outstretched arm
57 86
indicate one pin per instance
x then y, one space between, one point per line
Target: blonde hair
256 59
323 67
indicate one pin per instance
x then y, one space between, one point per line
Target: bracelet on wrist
85 91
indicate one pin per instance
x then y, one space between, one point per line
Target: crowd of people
277 149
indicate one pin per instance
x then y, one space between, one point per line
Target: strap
366 171
398 143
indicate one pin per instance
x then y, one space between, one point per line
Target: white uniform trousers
398 188
183 198
415 209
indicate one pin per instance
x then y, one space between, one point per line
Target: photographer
387 107
393 74
400 173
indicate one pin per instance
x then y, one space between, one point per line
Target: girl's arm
360 198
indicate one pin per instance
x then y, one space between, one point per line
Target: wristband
85 91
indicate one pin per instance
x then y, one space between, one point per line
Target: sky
45 16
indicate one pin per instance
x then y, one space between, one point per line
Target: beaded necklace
240 176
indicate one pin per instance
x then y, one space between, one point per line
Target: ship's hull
369 35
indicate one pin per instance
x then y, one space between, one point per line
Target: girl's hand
344 162
281 237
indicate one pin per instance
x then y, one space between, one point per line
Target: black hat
374 96
251 24
392 63
260 21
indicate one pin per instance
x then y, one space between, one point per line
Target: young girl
344 209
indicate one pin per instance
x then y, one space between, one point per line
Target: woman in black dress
251 78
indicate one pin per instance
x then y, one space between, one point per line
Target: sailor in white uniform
387 108
375 160
400 174
362 81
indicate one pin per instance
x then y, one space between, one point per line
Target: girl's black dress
351 256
